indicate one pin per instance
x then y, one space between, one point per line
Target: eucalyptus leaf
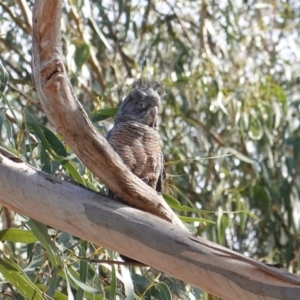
18 235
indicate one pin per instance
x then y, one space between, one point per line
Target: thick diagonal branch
142 236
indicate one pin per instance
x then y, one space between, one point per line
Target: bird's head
141 105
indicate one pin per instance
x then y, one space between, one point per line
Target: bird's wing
108 134
162 176
110 194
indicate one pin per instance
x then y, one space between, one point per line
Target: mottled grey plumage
135 137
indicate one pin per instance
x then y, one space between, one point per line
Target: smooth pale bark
68 117
140 235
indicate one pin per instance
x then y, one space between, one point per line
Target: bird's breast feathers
138 146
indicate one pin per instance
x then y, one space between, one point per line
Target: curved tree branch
69 118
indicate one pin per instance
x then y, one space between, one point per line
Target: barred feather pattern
138 146
135 137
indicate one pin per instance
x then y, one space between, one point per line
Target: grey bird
135 137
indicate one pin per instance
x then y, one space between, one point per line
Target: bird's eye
140 104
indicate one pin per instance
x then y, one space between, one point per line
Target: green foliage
3 77
17 277
229 127
18 235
